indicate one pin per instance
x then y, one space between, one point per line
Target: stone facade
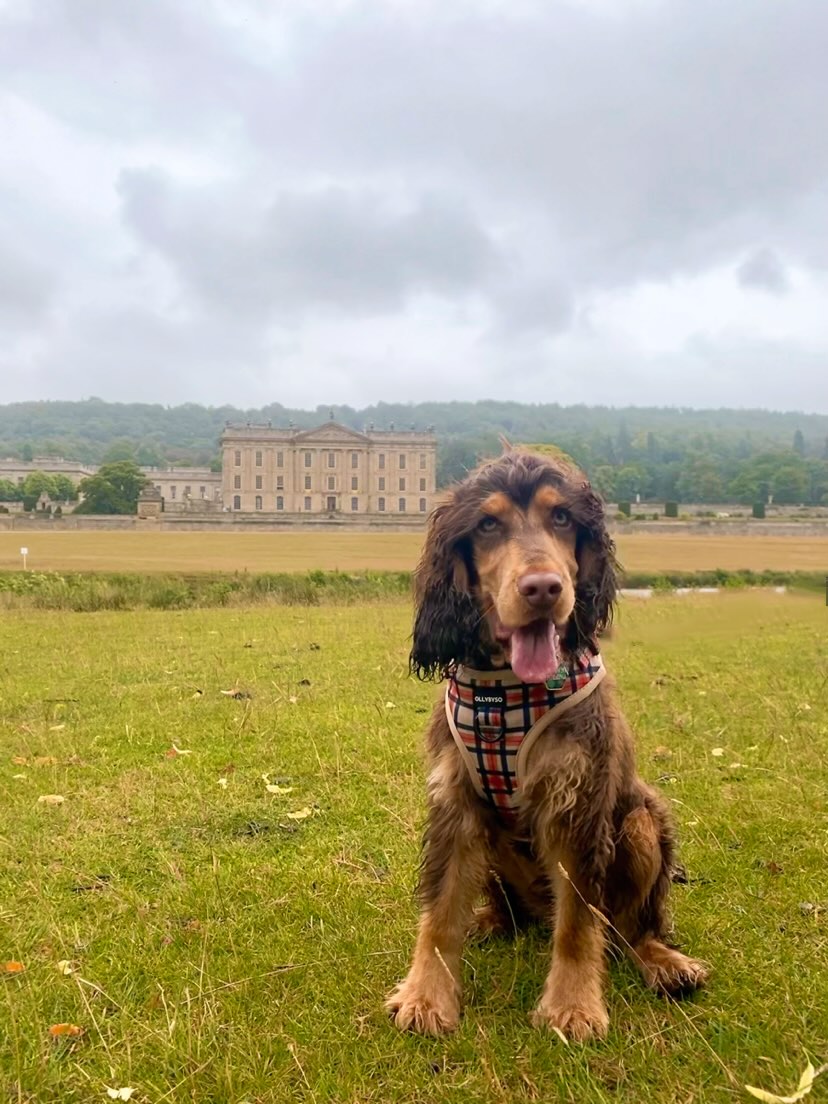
328 470
180 487
17 470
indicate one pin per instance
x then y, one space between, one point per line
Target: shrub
758 510
671 509
625 508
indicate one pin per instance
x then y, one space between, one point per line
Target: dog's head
518 566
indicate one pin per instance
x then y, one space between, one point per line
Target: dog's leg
455 862
573 996
640 881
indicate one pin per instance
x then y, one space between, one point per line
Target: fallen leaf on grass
51 799
57 728
222 782
272 788
293 699
718 752
44 761
119 1094
20 761
11 968
19 777
390 705
65 967
300 814
174 752
236 693
65 1031
806 1082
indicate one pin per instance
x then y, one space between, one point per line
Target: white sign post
24 552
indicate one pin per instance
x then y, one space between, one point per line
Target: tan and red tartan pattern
492 733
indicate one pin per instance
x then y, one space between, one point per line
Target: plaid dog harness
495 719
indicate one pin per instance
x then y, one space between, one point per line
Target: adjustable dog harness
495 719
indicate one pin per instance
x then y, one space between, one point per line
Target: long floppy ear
446 617
596 587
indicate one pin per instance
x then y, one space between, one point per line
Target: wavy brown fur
590 832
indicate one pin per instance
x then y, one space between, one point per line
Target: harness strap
495 720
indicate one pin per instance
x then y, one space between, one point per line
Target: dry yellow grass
300 551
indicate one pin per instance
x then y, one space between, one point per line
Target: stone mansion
328 470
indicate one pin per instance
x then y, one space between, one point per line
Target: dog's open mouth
534 650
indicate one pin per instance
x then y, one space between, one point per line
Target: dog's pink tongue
534 652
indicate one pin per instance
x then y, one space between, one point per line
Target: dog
534 803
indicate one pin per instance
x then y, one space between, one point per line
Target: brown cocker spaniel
533 797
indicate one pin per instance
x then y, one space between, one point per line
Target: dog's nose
540 588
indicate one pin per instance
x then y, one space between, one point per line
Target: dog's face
518 567
527 568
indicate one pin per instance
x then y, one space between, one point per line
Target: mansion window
202 491
258 458
402 484
354 504
307 502
422 484
402 505
422 461
307 482
237 482
187 491
354 459
172 491
258 502
258 482
331 482
402 460
331 459
354 482
422 505
237 458
381 460
307 459
280 459
280 482
280 502
236 502
382 482
381 505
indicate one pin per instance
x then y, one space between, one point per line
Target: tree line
659 453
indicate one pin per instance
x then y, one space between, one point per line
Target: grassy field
223 943
300 551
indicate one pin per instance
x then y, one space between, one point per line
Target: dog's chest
495 719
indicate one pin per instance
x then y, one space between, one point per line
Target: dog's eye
561 518
488 524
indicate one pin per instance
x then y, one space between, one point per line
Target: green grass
226 952
93 591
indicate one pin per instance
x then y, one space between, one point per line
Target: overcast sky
615 201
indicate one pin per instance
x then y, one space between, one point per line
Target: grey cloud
764 270
26 289
351 160
333 248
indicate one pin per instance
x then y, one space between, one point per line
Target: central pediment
332 433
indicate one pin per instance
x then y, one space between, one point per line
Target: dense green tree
65 489
9 492
27 452
799 443
37 483
121 450
790 484
114 489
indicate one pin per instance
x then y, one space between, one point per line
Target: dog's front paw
669 971
587 1020
429 1009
